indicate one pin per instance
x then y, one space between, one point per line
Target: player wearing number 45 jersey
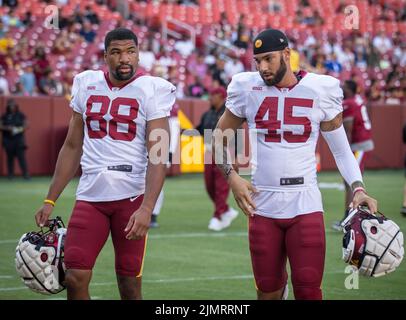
118 117
285 113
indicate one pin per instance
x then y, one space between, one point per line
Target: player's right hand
43 214
242 190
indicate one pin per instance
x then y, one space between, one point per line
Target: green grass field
186 261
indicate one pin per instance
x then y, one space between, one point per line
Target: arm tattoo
225 166
332 124
357 184
222 156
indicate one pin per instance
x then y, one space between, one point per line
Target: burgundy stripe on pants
217 188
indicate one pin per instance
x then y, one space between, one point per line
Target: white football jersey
114 158
284 127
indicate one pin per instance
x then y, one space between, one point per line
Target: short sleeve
331 98
163 100
75 102
236 98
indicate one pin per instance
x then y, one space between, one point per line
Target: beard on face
278 75
123 77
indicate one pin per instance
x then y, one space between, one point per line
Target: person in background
27 80
216 184
357 127
13 124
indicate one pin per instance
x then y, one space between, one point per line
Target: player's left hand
138 224
361 198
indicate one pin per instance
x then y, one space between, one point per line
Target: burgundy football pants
89 228
302 240
217 188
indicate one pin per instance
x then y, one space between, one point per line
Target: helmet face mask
39 258
371 243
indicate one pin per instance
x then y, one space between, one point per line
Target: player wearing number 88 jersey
115 127
285 113
119 117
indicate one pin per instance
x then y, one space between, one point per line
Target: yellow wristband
50 202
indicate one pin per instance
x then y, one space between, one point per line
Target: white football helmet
373 244
39 258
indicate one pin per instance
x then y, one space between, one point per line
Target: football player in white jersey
285 113
118 131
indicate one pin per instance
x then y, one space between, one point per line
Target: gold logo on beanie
258 43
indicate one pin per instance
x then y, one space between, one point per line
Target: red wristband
358 189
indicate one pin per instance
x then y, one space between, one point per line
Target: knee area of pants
267 285
128 266
306 277
76 258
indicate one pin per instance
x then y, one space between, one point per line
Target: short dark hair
119 34
352 85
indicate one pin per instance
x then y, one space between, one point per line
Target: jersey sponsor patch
292 181
122 167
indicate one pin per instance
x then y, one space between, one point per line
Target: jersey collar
299 76
111 86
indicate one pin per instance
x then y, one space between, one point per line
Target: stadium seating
258 15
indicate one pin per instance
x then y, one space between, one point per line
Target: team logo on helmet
258 43
39 258
372 243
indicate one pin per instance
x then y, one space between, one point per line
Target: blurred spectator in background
294 56
87 32
90 15
49 85
22 51
184 46
243 34
146 56
40 63
374 92
382 42
218 72
332 65
13 125
233 66
18 89
166 61
11 19
196 88
10 3
394 95
63 44
197 66
6 43
2 29
4 88
27 80
27 19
